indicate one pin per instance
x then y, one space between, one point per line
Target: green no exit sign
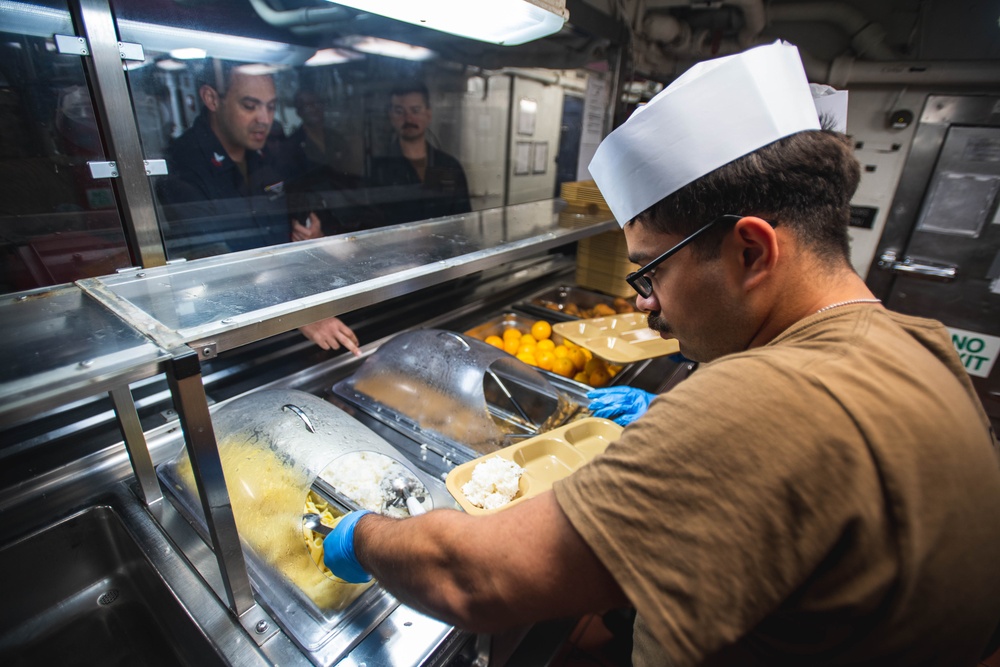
976 350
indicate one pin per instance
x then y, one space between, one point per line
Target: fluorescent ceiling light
167 39
188 53
168 65
387 47
331 57
507 22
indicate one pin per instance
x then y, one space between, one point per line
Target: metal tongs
517 406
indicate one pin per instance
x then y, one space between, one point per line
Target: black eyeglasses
641 283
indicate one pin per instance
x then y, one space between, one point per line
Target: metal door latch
890 261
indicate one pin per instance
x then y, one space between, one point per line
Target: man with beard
224 191
822 491
416 181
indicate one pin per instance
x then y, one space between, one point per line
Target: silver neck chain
847 303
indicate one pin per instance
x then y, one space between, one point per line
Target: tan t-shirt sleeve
720 502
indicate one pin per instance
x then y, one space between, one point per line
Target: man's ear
210 97
757 243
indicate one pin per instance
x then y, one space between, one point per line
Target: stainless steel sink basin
82 592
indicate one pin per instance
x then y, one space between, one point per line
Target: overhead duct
675 38
845 71
867 37
679 40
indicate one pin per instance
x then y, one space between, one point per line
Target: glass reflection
319 133
359 138
57 222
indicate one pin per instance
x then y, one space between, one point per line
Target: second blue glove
338 550
623 405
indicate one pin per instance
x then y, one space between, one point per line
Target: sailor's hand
330 334
338 550
623 405
313 229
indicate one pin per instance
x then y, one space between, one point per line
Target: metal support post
135 443
184 378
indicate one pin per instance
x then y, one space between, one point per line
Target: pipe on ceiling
678 39
292 18
867 37
846 70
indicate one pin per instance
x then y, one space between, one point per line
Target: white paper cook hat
717 111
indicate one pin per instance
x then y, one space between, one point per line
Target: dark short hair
407 87
218 73
214 73
803 182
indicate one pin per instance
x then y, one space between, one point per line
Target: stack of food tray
583 196
602 263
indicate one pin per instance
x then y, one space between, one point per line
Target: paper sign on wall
977 351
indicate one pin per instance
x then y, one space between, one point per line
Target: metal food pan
459 393
495 326
512 320
567 302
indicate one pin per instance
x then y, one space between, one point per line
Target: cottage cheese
494 483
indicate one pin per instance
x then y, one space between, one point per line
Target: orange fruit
563 366
527 358
560 352
511 334
581 377
599 378
511 345
525 348
578 358
546 344
545 358
541 330
528 338
570 344
495 341
595 365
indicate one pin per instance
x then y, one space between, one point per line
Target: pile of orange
536 348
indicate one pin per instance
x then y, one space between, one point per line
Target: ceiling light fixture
332 57
386 47
507 22
188 53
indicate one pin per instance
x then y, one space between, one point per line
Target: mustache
656 322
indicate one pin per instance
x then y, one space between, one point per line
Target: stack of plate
602 264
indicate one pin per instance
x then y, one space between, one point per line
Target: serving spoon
402 488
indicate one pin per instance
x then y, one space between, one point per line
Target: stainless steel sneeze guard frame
222 303
69 342
58 345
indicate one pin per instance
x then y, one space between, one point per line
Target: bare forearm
487 573
420 561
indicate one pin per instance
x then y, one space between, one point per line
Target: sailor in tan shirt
824 490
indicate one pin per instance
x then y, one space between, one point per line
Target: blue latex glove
338 550
623 405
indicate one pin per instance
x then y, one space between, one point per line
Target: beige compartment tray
545 458
620 339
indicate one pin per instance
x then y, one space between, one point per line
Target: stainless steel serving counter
105 334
